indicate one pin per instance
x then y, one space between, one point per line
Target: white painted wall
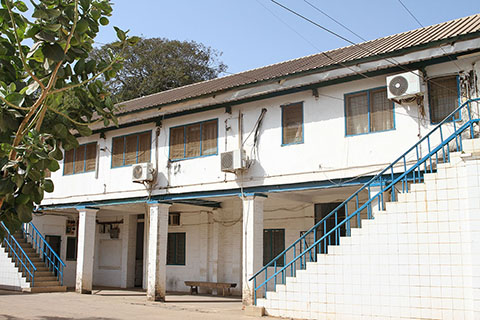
325 154
10 278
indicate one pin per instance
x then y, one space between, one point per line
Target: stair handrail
379 195
15 248
40 244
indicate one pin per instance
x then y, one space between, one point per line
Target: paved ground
115 305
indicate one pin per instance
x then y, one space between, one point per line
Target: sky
256 33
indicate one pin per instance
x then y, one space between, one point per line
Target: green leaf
6 186
53 165
53 51
53 13
40 14
24 213
53 27
18 180
22 199
82 26
34 175
15 98
120 34
12 87
61 130
21 6
84 130
79 66
104 21
48 185
56 153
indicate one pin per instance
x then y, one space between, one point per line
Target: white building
313 130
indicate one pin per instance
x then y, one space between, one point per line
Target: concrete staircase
45 280
420 258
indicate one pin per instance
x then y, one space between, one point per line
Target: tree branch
8 103
22 56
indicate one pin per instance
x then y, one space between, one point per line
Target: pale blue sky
250 34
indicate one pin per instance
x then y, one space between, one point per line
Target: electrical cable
391 60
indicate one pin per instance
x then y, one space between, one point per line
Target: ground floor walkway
114 304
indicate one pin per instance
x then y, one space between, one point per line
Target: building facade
309 132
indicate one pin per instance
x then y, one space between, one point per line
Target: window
368 111
443 98
273 245
174 218
131 149
194 140
81 159
292 123
71 249
176 248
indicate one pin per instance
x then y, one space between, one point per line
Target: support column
213 232
86 249
252 254
157 251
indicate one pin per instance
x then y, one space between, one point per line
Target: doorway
139 251
321 211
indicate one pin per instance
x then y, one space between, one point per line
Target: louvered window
292 123
194 140
131 149
81 159
273 245
443 98
368 111
176 248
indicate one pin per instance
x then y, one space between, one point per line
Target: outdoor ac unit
404 85
232 161
142 172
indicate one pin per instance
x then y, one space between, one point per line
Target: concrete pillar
157 251
213 238
252 234
86 249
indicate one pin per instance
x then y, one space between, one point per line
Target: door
321 211
139 251
55 243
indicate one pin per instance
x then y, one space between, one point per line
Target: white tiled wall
418 259
10 278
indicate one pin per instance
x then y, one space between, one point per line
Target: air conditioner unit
142 172
232 161
404 85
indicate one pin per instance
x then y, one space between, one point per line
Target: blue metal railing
409 168
41 246
23 262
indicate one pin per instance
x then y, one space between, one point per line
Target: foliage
159 64
44 65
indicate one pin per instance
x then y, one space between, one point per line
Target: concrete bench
194 285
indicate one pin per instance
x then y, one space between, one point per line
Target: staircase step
42 278
42 274
46 283
47 289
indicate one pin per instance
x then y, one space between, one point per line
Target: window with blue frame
194 140
81 159
131 149
176 248
368 111
443 97
292 123
273 245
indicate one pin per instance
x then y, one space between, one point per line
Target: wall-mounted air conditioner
234 160
404 85
142 172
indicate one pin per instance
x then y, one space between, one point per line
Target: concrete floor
114 304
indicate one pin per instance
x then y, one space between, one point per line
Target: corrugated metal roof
337 57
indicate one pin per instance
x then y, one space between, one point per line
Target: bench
194 285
